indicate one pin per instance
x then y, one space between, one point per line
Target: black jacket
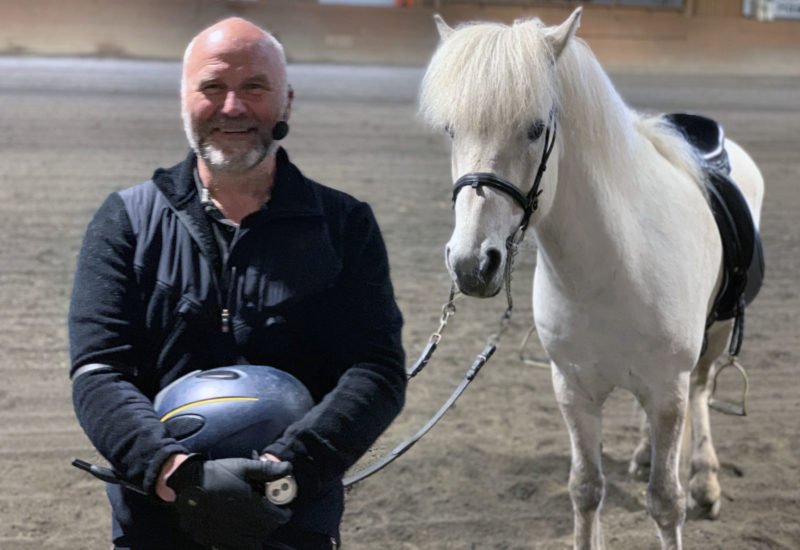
308 290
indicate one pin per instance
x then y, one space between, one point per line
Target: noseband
528 202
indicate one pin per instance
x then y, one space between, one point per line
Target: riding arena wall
706 36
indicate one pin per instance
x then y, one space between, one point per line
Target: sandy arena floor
493 473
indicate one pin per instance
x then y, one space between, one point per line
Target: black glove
221 503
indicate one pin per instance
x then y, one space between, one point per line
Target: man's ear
444 29
287 111
559 36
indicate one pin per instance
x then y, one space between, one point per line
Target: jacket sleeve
371 391
105 331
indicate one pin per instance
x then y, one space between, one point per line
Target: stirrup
530 359
727 407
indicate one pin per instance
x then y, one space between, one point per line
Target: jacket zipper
225 315
225 320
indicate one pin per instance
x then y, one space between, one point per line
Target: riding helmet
231 411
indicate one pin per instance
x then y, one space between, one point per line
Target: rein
529 203
448 310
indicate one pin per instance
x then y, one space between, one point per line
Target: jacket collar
292 194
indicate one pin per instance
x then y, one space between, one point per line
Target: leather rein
529 202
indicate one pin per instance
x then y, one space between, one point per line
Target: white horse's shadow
629 260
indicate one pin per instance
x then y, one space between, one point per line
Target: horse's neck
587 224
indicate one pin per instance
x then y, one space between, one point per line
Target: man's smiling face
234 91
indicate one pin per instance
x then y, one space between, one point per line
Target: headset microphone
280 130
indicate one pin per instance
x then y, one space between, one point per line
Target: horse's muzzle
480 276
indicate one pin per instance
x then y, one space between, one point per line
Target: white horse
629 256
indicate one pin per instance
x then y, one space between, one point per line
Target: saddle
743 255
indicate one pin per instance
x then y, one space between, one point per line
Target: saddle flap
741 244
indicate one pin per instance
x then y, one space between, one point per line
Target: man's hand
163 491
219 504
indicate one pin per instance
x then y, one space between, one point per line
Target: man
230 257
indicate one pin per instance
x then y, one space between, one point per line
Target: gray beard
234 163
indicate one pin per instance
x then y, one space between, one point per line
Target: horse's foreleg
704 489
666 409
582 414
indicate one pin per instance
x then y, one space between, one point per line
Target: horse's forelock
488 76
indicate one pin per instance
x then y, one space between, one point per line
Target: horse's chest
608 332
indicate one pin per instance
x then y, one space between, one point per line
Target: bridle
528 202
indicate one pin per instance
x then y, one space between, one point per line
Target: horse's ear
444 29
560 35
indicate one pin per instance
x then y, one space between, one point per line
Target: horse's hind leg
704 489
639 466
666 409
582 412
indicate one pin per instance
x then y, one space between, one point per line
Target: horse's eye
449 130
535 130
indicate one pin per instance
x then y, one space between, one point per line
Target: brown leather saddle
743 255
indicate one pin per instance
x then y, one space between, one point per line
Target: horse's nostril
490 263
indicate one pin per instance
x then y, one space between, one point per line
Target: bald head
229 36
233 91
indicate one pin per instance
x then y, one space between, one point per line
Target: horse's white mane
610 130
490 75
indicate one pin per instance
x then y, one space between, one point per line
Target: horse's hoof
709 510
705 495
